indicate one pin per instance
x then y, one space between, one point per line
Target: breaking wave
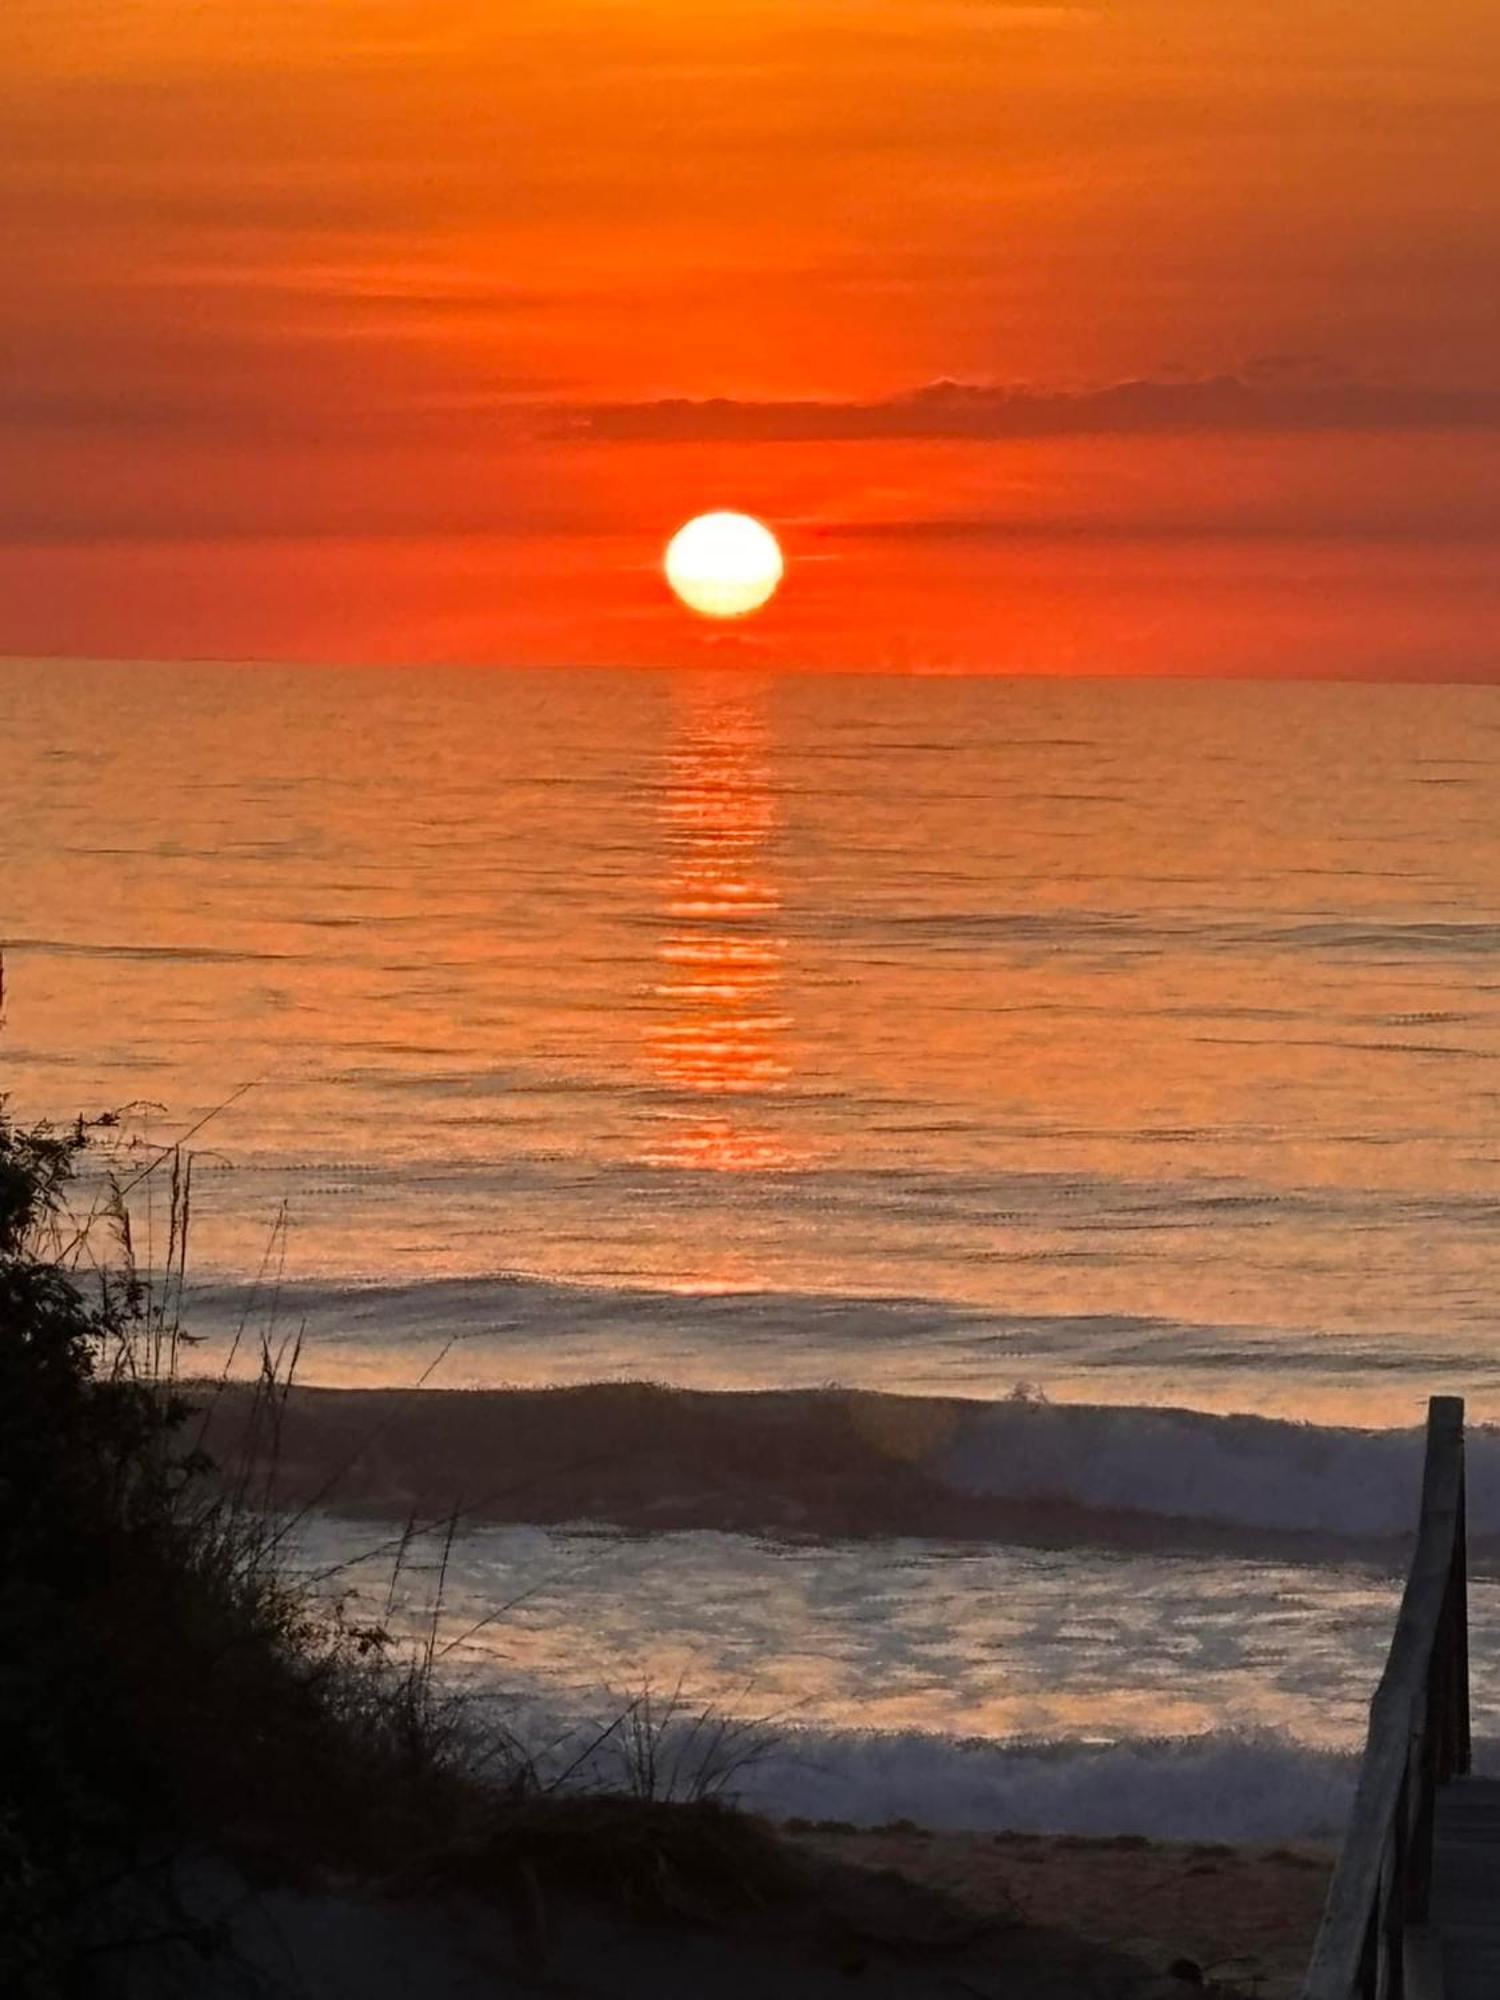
839 1463
1230 1785
1242 1471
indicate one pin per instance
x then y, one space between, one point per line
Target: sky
1065 338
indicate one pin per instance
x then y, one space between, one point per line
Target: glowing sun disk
724 565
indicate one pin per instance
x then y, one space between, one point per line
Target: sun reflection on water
717 1042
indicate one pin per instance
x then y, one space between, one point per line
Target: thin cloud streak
1222 404
1392 525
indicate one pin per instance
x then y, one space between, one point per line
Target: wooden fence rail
1374 1942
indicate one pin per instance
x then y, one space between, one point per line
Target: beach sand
895 1914
1244 1917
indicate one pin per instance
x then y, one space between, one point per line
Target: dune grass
160 1680
165 1687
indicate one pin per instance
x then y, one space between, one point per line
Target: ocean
1035 1043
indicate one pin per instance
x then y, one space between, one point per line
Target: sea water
1133 1042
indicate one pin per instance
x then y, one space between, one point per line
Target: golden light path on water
718 1038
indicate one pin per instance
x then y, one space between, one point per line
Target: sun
724 565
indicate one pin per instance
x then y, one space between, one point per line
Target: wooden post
1374 1923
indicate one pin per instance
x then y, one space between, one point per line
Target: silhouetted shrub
161 1682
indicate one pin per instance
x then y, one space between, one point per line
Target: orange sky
354 329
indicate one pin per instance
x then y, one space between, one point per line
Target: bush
160 1682
165 1691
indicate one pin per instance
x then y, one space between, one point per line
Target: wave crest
837 1463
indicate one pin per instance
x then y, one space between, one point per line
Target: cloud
1277 394
1451 523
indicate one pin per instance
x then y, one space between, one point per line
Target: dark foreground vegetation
165 1692
158 1683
